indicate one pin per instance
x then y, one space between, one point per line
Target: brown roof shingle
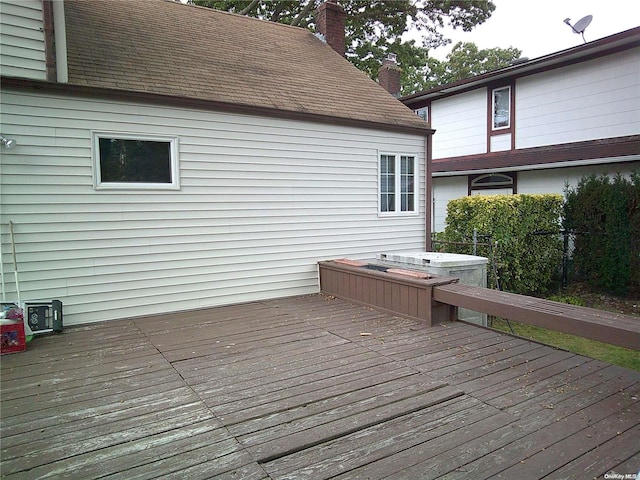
167 48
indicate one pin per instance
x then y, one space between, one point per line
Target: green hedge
527 262
604 213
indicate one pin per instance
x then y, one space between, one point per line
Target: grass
623 357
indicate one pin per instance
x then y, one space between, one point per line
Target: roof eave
204 104
605 150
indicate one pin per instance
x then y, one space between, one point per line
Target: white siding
446 189
550 180
554 180
261 201
22 39
586 101
501 143
461 124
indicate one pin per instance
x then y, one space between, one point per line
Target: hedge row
523 232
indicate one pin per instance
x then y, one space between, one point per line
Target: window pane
501 101
406 165
387 203
135 161
387 183
387 164
407 183
423 113
410 203
407 203
492 179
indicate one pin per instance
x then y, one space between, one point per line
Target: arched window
492 184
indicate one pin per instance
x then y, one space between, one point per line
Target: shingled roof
167 48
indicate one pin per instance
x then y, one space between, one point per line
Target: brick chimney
330 23
389 75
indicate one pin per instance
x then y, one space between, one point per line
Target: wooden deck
310 387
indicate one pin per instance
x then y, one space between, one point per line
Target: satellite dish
580 26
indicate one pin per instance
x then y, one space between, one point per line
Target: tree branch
249 7
276 12
303 14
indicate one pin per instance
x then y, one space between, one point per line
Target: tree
464 61
374 28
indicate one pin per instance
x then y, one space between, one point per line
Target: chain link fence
486 245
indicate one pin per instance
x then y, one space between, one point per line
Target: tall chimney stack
330 23
389 75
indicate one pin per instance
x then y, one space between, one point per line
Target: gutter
41 86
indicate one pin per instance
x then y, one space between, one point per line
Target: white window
398 183
126 161
501 112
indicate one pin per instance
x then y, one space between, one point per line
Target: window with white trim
501 112
398 183
126 161
492 184
423 113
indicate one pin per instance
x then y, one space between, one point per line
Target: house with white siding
536 125
170 157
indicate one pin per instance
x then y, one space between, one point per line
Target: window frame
509 180
423 113
397 182
506 127
98 184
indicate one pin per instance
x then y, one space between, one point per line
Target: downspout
429 190
60 31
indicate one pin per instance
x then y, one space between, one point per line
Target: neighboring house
537 125
172 157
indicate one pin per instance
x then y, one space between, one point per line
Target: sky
536 26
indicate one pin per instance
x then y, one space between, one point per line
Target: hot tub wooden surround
406 293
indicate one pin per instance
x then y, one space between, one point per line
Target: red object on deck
12 337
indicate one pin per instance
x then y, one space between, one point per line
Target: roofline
627 148
604 46
185 102
541 166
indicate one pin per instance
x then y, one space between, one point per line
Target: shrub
524 231
605 217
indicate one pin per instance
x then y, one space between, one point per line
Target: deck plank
628 466
307 389
371 444
408 463
374 416
364 453
538 433
319 413
328 400
567 448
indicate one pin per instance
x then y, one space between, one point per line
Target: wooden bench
608 327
